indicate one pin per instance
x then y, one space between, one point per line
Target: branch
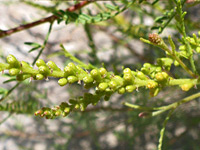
41 21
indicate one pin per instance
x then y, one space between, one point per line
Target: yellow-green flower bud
182 48
141 75
113 84
39 77
67 110
44 70
96 74
77 106
88 79
53 66
62 81
161 76
127 71
121 90
70 69
103 86
72 65
130 88
24 64
14 71
39 112
40 62
47 113
72 79
13 61
103 71
187 86
147 65
176 63
128 77
198 49
152 84
58 112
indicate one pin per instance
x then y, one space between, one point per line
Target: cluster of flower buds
72 105
106 83
195 45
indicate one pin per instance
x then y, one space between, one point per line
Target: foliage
171 69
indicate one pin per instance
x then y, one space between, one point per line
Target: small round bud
141 75
130 88
14 71
187 86
147 65
39 77
58 113
176 63
128 77
53 66
44 70
103 86
24 64
127 70
72 65
113 84
121 90
182 48
77 106
39 112
198 49
88 79
13 61
40 62
68 71
62 81
152 84
67 110
72 79
47 113
96 74
102 71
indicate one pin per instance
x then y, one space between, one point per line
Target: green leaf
10 80
112 7
33 44
33 49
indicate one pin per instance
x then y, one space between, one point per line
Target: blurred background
115 42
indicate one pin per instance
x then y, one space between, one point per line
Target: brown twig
41 21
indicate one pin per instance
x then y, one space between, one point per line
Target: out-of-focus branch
41 21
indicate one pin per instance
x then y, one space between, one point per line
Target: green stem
67 54
163 108
44 44
165 48
162 131
7 94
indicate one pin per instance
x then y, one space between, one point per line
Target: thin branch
41 21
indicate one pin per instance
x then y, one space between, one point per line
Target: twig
41 21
